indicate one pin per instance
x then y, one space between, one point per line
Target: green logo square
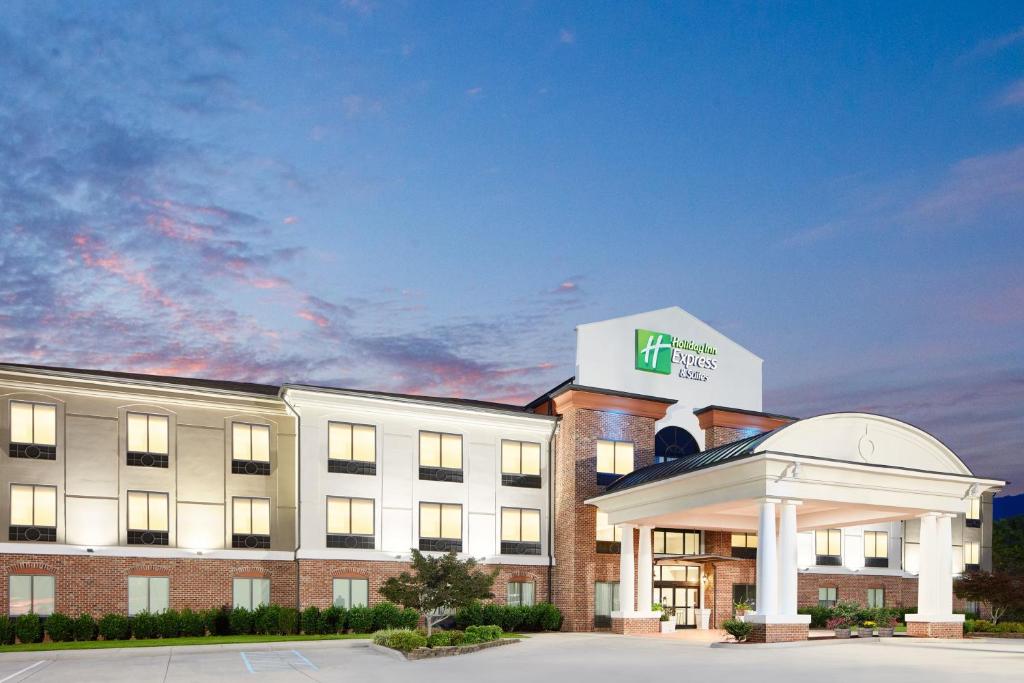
654 352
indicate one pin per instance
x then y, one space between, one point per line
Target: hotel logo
654 352
658 352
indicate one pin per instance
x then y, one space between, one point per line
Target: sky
428 197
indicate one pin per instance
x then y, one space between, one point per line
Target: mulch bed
455 650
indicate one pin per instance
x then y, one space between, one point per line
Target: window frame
518 601
745 551
829 559
685 533
351 580
835 596
240 539
604 546
875 559
972 518
615 474
21 532
252 466
440 472
351 540
519 546
521 479
149 593
350 465
440 543
867 599
976 546
32 593
147 536
251 581
32 450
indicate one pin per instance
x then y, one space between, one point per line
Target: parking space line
244 659
281 660
18 673
310 664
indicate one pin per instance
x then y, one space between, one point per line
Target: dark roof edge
744 411
546 396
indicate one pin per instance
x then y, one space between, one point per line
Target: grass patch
166 642
513 635
900 629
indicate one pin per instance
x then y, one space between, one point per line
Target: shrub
60 627
386 615
740 630
312 621
115 627
85 628
334 619
145 626
169 623
410 618
819 615
547 616
217 621
470 615
29 628
6 630
288 621
240 621
400 639
481 634
492 614
445 638
192 623
360 619
514 618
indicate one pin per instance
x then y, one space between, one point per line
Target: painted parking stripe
245 659
18 673
284 660
308 663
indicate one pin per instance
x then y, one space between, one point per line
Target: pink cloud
315 318
290 220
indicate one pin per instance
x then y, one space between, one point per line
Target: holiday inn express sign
664 354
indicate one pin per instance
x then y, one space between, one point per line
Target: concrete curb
387 651
815 642
172 650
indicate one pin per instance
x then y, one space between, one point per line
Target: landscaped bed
417 645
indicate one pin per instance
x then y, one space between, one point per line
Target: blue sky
428 197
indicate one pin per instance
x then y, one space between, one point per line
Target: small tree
998 590
438 584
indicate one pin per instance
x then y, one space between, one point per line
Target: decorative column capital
791 501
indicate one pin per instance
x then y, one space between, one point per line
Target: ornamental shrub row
540 617
983 626
854 614
264 620
406 640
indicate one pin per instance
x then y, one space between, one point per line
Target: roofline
744 411
558 391
546 396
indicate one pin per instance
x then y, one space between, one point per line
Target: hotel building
651 476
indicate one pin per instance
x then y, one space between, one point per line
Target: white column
645 571
944 567
787 558
767 562
927 565
627 585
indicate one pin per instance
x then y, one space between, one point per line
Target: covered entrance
826 472
677 589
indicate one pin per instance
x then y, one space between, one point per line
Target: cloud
566 36
1013 95
474 91
974 185
992 46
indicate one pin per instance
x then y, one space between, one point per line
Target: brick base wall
778 633
935 629
635 627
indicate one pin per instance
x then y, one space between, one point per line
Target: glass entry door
606 601
683 601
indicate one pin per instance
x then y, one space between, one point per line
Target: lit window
351 592
614 457
520 464
676 542
974 513
440 451
972 554
744 545
31 593
250 522
828 546
147 518
876 548
680 573
250 449
876 597
609 537
33 513
440 527
827 597
520 593
351 448
250 593
520 531
33 430
349 522
148 594
147 433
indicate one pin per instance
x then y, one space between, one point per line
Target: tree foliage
438 585
1008 545
998 590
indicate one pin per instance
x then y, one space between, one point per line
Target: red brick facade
945 629
778 633
635 627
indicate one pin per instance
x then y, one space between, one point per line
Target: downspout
298 501
551 510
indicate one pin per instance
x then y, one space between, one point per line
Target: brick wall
635 627
778 633
718 597
924 629
716 436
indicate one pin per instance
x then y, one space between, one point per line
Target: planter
668 626
865 632
842 633
885 633
704 619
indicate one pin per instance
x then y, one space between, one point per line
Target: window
33 431
250 449
606 601
876 548
677 573
744 545
744 593
520 593
676 542
147 518
520 531
972 556
972 608
148 594
250 519
250 593
351 448
614 458
441 527
609 538
31 593
827 597
520 464
147 440
440 456
827 547
351 592
350 523
33 513
876 597
974 513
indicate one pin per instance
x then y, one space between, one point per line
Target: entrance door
606 601
686 607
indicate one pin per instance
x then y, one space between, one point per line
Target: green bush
445 638
410 618
481 634
169 623
240 621
85 628
217 621
266 619
546 616
514 618
6 630
493 614
192 624
819 615
145 626
360 620
386 615
288 621
400 639
60 627
115 627
334 619
29 628
740 630
470 615
540 617
312 621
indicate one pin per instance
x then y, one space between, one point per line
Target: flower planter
668 626
842 633
885 633
865 632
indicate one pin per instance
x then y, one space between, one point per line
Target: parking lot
560 657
